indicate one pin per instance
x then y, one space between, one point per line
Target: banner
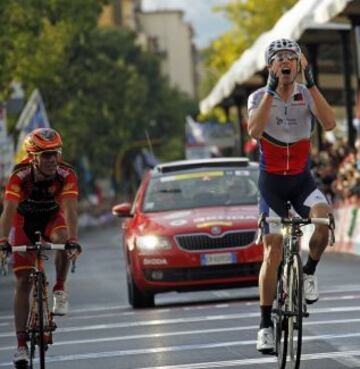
3 128
205 139
6 148
209 133
33 116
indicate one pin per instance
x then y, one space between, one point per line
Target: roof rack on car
201 163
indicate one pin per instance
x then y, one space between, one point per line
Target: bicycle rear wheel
280 322
295 311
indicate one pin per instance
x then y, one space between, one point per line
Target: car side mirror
122 210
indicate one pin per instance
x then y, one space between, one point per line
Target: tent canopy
304 15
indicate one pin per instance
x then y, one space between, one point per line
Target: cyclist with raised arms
41 195
281 118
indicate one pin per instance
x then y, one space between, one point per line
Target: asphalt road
214 329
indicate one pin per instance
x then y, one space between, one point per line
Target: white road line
95 308
180 333
129 312
185 320
157 350
92 309
182 320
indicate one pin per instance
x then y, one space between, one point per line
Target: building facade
171 37
120 13
162 32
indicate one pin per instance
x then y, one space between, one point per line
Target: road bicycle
289 306
40 325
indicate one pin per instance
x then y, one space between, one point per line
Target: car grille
201 241
203 273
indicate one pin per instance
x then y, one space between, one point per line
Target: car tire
138 299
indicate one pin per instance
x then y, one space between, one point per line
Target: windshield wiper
174 190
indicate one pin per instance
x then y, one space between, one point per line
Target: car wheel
138 299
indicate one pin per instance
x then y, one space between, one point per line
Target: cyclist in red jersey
281 117
41 195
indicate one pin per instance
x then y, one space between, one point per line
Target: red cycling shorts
25 260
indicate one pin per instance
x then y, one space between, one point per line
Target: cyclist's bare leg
61 261
320 237
269 268
21 299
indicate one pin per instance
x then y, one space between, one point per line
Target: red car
192 226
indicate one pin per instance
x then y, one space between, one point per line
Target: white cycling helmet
281 44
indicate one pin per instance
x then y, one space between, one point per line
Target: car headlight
149 243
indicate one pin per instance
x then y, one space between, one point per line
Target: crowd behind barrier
336 168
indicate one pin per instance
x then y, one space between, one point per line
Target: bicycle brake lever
332 238
332 229
73 266
4 267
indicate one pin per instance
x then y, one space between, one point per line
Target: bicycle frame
289 300
40 322
289 307
40 325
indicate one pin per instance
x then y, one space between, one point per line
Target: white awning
291 25
329 9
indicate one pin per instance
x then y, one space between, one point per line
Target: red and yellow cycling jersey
22 186
39 206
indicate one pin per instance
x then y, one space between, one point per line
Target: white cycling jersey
285 142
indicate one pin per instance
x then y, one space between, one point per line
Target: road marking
185 320
91 309
193 332
157 350
159 310
126 310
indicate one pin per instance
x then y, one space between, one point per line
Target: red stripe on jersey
286 160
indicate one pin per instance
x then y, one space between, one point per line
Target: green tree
249 18
35 34
101 91
111 94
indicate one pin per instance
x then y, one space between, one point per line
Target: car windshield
228 187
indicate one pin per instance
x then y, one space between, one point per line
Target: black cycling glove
309 78
5 247
272 83
73 245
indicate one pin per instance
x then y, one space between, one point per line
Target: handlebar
38 246
300 221
329 221
42 246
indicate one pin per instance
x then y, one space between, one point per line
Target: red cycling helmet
42 139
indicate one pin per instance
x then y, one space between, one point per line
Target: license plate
217 259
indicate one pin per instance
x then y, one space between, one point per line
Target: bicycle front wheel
41 342
280 321
295 301
32 336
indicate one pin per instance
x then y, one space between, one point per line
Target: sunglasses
285 55
47 154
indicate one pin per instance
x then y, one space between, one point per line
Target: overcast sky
206 23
